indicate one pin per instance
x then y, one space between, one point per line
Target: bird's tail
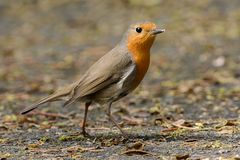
53 97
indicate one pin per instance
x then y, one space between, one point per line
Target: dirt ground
187 107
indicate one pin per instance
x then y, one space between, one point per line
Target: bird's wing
111 68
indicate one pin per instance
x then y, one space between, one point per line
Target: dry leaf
182 157
137 145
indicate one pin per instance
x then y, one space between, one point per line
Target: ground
187 107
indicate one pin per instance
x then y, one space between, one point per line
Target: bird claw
85 134
125 136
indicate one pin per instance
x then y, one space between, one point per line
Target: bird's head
142 35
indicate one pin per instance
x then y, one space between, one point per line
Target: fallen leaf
182 157
231 122
137 145
183 124
136 148
33 145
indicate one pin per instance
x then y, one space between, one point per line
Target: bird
113 76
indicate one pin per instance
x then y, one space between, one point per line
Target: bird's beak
157 31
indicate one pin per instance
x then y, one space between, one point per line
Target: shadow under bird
114 75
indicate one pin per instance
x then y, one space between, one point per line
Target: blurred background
191 91
45 44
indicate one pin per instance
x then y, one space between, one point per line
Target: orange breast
142 63
140 51
141 57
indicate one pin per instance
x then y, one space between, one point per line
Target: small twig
182 124
100 128
184 127
133 121
45 150
76 148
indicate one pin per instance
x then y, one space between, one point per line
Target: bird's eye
139 29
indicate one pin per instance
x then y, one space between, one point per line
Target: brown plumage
114 75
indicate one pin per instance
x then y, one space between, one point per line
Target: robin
113 76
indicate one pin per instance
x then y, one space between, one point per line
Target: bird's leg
113 120
85 119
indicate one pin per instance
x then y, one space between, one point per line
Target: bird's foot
125 135
85 134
